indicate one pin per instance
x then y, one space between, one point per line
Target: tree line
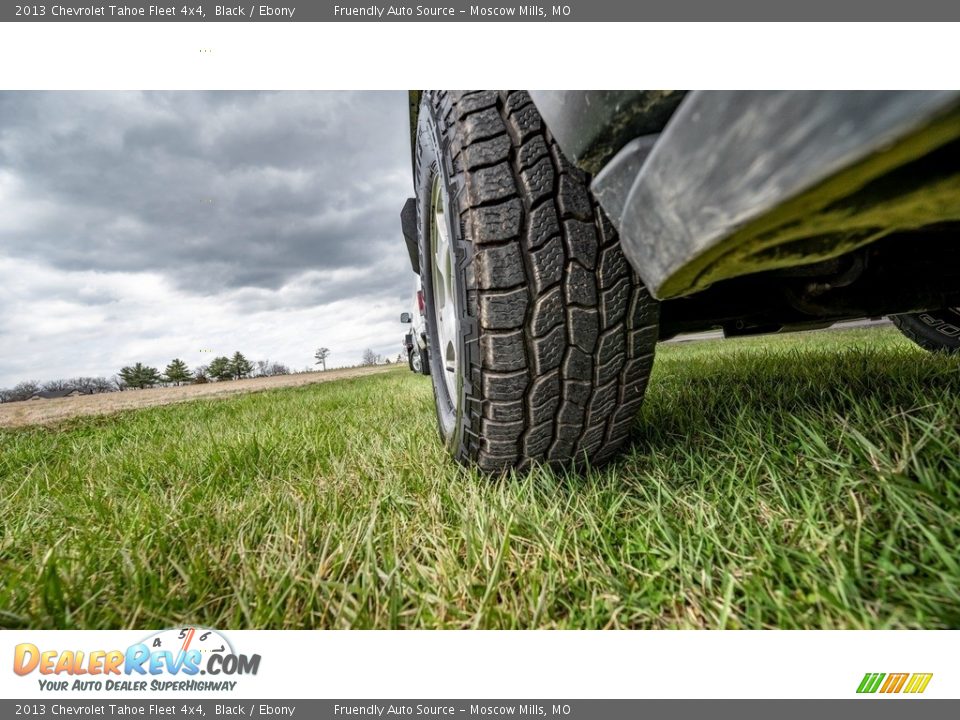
141 376
177 373
28 388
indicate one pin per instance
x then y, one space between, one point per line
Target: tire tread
566 329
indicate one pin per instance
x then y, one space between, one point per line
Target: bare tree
101 385
321 355
25 390
278 369
370 357
85 384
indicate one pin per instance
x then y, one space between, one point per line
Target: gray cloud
220 190
258 202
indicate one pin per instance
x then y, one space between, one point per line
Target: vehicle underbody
902 273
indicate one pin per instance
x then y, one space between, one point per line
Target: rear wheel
541 336
938 331
424 361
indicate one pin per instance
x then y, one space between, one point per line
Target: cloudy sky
147 226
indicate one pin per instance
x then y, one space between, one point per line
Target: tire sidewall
936 330
433 160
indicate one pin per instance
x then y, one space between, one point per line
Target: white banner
483 664
367 56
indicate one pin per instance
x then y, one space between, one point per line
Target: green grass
806 481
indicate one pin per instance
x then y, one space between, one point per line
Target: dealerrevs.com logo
892 683
168 660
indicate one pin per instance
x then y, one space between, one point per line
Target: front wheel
937 331
541 336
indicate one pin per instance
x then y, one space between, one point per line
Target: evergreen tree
240 367
220 368
140 376
177 372
150 377
130 375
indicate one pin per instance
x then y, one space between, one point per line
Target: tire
549 335
937 331
424 361
413 361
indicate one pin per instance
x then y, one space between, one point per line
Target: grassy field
806 481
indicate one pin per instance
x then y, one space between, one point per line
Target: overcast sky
147 226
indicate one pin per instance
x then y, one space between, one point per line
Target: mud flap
408 224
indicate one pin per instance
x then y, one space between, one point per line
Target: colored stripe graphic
894 683
870 682
918 682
